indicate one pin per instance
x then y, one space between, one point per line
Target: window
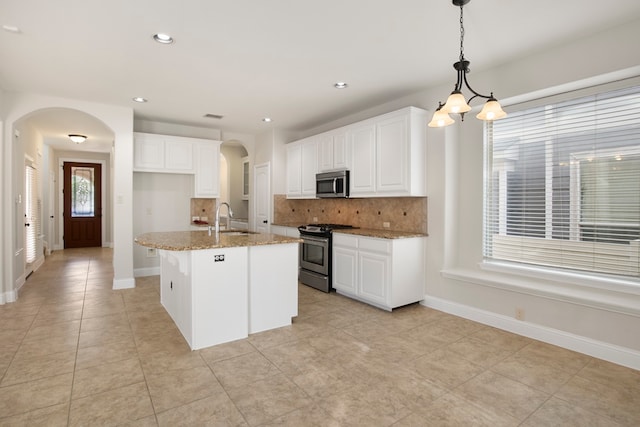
562 185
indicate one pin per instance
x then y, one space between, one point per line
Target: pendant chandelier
456 103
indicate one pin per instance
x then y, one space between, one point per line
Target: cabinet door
373 277
294 170
309 168
340 151
325 152
393 167
207 179
362 139
344 270
245 178
178 155
148 152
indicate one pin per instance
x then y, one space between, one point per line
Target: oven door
314 254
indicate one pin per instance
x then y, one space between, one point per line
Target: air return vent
213 116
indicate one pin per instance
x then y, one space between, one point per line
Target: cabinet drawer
375 245
345 240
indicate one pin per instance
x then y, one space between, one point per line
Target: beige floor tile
445 368
293 358
46 331
557 357
52 416
226 351
175 388
163 361
460 326
216 410
612 375
451 410
430 336
119 320
109 352
47 345
533 371
503 394
267 399
113 407
244 370
366 406
23 370
621 405
308 416
104 377
556 412
501 339
38 394
105 336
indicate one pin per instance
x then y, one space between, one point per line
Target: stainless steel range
315 255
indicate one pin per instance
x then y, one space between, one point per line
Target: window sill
620 296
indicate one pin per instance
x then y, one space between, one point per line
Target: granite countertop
195 240
381 234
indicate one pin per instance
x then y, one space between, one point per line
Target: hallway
74 352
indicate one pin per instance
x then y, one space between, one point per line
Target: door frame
61 160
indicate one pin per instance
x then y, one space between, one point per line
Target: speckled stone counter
197 240
381 234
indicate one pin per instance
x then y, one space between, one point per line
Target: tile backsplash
203 208
402 213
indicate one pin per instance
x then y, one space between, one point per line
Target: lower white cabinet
285 231
386 273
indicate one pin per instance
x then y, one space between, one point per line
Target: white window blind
562 185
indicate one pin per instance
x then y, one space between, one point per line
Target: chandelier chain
461 34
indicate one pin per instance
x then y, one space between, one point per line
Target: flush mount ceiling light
163 38
139 99
340 85
456 102
267 120
78 139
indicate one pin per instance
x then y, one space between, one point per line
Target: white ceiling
247 59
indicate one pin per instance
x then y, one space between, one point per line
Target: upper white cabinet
207 176
245 178
389 155
302 166
386 156
175 154
162 153
332 150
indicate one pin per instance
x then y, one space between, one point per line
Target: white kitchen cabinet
362 140
302 166
386 273
332 150
389 155
207 176
162 153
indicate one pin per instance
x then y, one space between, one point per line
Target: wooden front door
82 205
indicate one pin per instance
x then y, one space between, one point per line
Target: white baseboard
7 297
147 271
129 283
599 349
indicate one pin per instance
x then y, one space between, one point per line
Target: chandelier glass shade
456 103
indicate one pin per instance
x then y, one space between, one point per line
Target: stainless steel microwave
332 184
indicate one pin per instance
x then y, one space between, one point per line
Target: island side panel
175 289
273 286
219 296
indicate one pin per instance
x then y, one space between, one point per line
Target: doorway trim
59 244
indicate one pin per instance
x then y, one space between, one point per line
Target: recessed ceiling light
139 99
11 28
163 38
340 85
267 119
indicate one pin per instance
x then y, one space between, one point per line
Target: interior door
31 218
82 205
262 198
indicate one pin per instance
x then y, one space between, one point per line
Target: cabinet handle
264 222
171 285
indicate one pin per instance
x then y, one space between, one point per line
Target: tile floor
74 352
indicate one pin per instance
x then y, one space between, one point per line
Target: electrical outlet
151 252
386 224
519 313
315 219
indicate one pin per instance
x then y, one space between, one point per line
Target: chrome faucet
229 216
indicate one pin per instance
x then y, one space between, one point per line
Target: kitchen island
220 288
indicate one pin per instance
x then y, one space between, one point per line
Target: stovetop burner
323 228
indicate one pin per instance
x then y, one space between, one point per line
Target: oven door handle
314 239
335 185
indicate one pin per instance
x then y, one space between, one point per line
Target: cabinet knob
264 222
